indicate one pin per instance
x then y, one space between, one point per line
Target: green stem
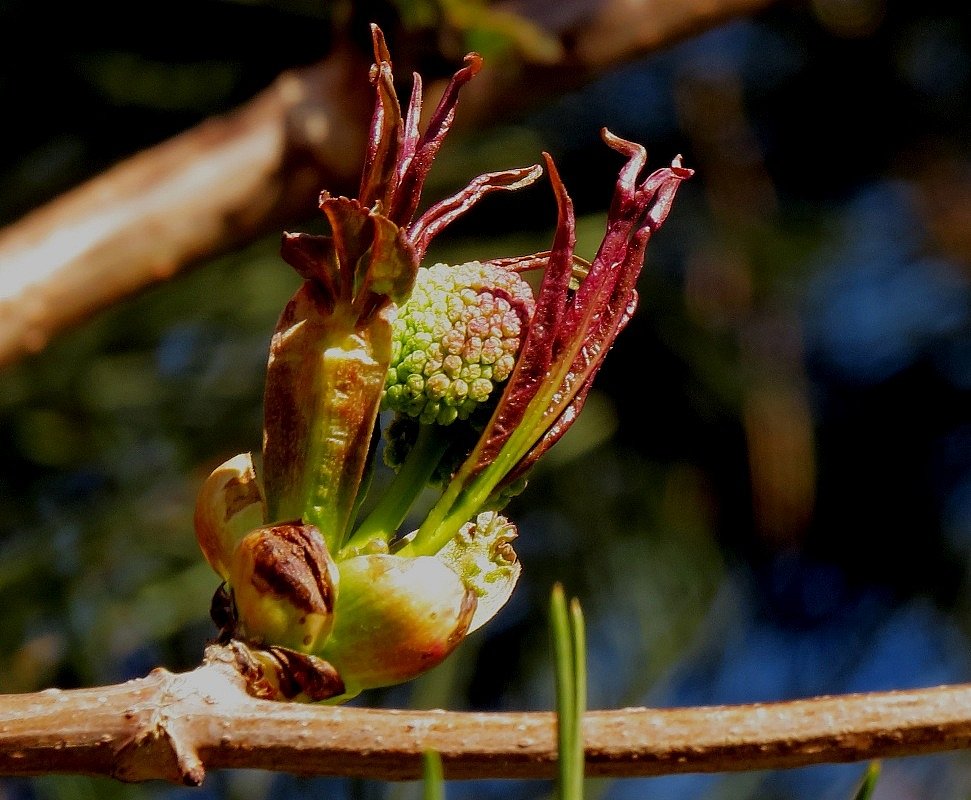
464 497
869 782
366 479
400 495
450 513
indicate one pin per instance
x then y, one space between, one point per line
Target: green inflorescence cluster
454 339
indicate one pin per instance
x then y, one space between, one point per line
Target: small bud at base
284 585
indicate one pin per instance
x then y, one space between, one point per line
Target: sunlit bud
284 584
395 619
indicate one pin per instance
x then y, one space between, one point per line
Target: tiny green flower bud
395 619
454 339
284 584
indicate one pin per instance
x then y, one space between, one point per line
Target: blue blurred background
769 493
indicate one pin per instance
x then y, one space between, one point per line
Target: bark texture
176 726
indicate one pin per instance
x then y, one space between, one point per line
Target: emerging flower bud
284 584
455 339
438 346
395 619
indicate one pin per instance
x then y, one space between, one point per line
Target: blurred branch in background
234 178
211 189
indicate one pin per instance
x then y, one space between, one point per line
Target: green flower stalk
482 378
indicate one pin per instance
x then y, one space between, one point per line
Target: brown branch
598 35
201 193
174 726
233 178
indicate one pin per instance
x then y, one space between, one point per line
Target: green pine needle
569 651
579 686
433 776
869 782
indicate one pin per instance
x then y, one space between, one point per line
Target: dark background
769 493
